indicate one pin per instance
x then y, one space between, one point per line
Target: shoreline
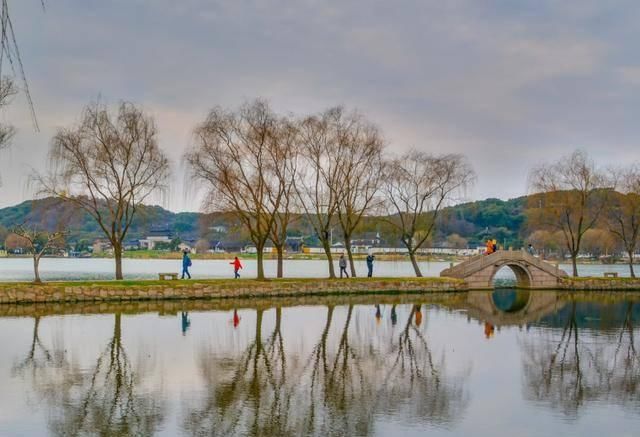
153 290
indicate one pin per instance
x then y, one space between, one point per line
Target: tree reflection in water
338 388
248 394
102 401
576 367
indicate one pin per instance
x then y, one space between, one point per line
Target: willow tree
235 157
623 215
319 186
282 199
362 174
108 165
38 242
417 186
569 196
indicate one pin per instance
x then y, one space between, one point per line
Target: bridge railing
482 261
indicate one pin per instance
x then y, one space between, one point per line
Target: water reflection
334 366
574 366
82 401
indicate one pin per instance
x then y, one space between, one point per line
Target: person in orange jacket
236 267
489 250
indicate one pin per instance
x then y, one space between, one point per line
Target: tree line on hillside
333 168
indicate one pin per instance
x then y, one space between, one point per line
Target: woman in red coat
236 266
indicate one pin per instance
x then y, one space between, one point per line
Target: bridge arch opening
510 300
511 275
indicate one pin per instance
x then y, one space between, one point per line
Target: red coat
236 264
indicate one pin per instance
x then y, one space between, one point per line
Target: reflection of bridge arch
530 271
527 308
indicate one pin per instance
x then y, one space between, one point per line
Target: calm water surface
57 269
499 363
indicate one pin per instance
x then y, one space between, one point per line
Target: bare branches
622 217
38 242
417 186
244 160
571 195
107 165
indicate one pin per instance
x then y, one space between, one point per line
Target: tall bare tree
236 156
319 186
39 242
362 173
416 187
623 215
108 165
282 197
570 196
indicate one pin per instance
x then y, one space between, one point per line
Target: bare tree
570 197
319 186
38 243
362 173
236 156
108 165
623 215
417 186
282 197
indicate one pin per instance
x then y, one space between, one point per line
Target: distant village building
155 237
101 246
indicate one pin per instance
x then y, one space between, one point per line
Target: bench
610 274
163 276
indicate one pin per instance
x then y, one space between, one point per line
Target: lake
500 363
55 269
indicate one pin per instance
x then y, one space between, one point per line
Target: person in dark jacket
186 263
342 263
370 259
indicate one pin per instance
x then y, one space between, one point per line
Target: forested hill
473 221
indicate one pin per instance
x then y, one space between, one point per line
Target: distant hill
51 214
474 221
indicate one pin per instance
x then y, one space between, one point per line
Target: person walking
237 265
186 263
370 259
342 263
531 250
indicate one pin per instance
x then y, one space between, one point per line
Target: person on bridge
237 265
489 249
531 250
494 244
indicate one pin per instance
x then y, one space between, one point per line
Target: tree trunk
36 271
574 263
347 245
631 271
280 251
327 251
414 263
117 254
260 260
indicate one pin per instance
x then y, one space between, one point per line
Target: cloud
507 83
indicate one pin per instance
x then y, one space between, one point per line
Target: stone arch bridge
531 272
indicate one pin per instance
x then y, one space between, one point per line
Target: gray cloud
507 83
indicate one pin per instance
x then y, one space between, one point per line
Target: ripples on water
484 363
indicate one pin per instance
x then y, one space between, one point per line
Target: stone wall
50 293
600 284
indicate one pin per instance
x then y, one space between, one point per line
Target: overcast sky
507 83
